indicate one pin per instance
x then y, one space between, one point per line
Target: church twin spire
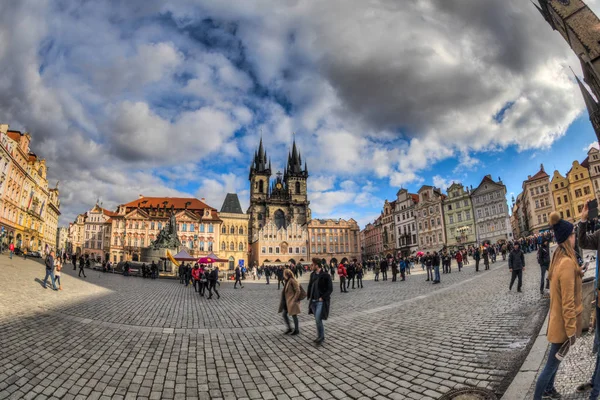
261 164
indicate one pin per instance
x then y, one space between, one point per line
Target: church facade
279 210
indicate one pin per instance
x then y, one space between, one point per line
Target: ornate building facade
136 224
593 164
559 186
372 242
387 223
580 187
430 219
51 219
459 218
279 210
234 232
334 240
405 220
97 233
538 201
491 211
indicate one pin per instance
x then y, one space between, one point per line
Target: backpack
302 294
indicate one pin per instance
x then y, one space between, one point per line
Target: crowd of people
201 276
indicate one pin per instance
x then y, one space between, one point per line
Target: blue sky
142 97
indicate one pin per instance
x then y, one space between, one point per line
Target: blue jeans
49 273
317 309
545 382
437 273
11 254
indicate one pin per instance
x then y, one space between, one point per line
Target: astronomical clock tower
279 210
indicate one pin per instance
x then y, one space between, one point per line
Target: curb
522 382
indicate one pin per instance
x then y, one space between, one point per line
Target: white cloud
589 146
441 183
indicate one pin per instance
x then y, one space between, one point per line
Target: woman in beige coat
566 305
290 303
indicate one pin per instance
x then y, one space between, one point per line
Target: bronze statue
167 237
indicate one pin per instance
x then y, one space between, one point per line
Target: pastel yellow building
234 232
580 187
561 195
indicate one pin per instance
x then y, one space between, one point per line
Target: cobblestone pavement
113 337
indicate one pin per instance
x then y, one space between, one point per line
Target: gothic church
279 210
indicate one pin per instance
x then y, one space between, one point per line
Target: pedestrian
267 274
429 266
25 253
342 274
351 271
181 273
476 257
11 247
459 260
49 262
57 268
204 275
74 261
384 268
81 265
319 292
589 241
516 265
566 306
279 273
238 276
188 274
543 257
376 269
436 267
213 280
394 265
403 264
289 304
196 277
359 276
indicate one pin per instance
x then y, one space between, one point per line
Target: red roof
541 174
415 197
14 135
109 213
176 202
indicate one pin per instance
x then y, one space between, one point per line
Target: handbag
302 294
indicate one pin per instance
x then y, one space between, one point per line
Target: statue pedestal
159 256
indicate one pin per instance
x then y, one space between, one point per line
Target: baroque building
538 201
372 243
334 240
279 210
491 211
51 220
559 186
459 219
234 232
592 162
97 231
387 223
430 219
406 222
580 187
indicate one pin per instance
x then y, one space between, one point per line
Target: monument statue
167 237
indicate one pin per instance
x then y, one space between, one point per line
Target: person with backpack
213 280
459 260
49 262
289 304
543 258
343 274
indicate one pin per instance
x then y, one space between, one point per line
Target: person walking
213 280
429 265
351 271
238 278
11 247
342 274
81 265
376 270
49 262
436 267
74 261
566 306
516 265
394 265
279 273
459 260
57 268
543 258
359 275
486 257
384 268
204 278
289 304
403 266
319 292
267 274
196 277
476 257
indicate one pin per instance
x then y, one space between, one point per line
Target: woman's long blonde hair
564 249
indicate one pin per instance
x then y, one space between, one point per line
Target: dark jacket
543 256
435 260
587 241
320 287
516 260
49 262
213 277
383 265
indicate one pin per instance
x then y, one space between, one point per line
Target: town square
299 200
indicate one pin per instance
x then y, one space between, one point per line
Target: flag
30 199
42 208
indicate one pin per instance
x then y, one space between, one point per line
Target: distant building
234 232
405 220
62 237
459 218
538 201
334 240
430 219
592 163
491 211
97 231
372 243
388 233
580 187
561 195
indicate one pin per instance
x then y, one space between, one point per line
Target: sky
170 98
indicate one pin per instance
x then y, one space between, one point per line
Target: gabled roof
176 202
231 204
586 163
541 174
415 197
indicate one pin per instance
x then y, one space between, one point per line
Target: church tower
260 175
580 27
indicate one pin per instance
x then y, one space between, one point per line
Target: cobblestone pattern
112 337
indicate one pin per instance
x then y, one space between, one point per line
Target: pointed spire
590 102
305 168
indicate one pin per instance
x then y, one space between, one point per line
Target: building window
263 250
223 230
202 245
223 246
191 227
241 246
210 228
210 246
586 190
451 218
568 213
578 193
558 200
183 227
580 207
241 230
201 228
270 250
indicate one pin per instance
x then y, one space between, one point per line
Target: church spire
592 106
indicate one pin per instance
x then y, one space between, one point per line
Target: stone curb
525 378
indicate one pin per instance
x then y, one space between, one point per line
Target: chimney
141 196
203 200
528 176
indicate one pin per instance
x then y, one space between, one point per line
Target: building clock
278 186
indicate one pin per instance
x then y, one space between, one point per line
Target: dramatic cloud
133 97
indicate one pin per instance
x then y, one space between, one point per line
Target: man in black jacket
435 260
319 297
213 279
543 257
351 271
50 271
384 268
428 265
516 265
